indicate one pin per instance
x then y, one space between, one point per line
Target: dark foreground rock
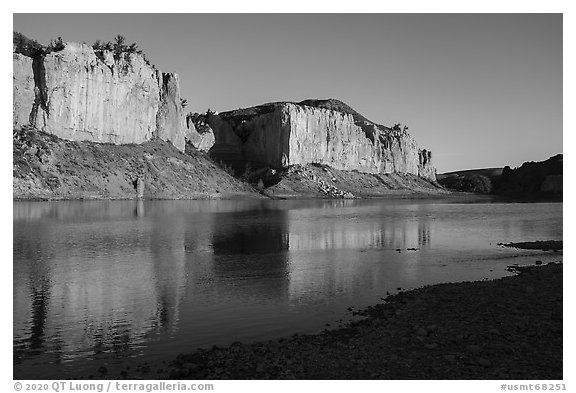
509 328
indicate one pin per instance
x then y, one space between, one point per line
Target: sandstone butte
81 95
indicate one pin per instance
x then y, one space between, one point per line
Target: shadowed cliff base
510 328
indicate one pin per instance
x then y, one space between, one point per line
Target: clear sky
479 90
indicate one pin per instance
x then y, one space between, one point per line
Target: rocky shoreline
544 245
509 328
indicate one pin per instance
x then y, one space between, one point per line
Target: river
123 282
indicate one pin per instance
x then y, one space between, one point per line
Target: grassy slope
484 171
46 167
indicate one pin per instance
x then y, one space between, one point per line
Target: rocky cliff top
330 103
245 114
335 105
105 52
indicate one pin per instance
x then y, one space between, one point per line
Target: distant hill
484 172
532 180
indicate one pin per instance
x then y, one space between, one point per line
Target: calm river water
113 282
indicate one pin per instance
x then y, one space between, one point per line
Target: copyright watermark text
117 386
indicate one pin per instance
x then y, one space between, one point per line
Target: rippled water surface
109 282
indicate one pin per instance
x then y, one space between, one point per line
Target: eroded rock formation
198 132
315 131
78 94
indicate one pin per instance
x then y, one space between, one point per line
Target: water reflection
338 249
167 249
106 278
250 254
261 232
95 288
354 231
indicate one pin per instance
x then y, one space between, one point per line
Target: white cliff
80 94
23 92
284 134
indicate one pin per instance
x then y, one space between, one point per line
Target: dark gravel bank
509 328
544 245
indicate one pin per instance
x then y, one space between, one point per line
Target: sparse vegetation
32 48
199 121
118 48
248 174
227 168
56 45
46 166
479 184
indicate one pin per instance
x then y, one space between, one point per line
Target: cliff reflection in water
338 249
108 277
103 277
251 254
82 287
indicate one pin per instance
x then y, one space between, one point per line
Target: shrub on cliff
56 45
32 48
118 48
25 45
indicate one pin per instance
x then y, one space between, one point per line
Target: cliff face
78 95
284 134
170 122
23 92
